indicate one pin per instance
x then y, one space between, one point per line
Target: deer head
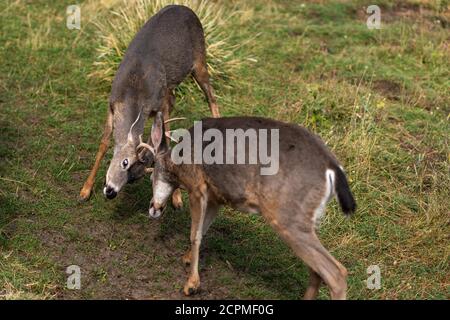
128 162
164 181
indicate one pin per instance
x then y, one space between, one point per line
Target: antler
145 145
130 133
173 119
148 170
169 133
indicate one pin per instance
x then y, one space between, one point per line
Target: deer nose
109 192
156 210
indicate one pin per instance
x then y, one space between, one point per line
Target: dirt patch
404 10
122 260
388 88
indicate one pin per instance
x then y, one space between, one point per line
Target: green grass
379 98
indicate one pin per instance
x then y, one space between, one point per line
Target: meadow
380 99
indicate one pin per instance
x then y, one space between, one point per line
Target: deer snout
109 192
156 209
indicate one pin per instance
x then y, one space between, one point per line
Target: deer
169 47
292 200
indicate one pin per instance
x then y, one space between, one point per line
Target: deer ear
158 134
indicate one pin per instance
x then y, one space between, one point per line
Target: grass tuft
122 21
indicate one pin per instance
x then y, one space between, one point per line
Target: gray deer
169 47
292 200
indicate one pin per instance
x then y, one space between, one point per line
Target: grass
379 98
120 24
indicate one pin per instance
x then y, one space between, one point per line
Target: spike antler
148 170
167 133
145 145
173 119
130 133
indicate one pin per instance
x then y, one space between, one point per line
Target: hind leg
307 247
314 284
201 75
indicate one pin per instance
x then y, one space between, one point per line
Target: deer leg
87 187
198 204
201 75
187 258
314 284
211 213
169 101
307 247
177 199
166 111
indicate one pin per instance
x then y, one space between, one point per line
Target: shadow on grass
9 202
133 199
9 210
245 243
249 247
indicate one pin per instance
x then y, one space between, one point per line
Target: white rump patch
329 193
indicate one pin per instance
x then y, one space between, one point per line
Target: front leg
198 204
87 187
167 106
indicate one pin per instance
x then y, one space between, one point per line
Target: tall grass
122 21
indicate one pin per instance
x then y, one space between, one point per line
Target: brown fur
287 200
168 48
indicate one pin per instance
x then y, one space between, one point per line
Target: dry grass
21 283
119 24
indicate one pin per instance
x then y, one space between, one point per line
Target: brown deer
291 200
169 47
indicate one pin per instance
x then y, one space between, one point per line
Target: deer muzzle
109 192
156 210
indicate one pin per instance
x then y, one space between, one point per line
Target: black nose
110 193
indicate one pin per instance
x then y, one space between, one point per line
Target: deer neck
187 175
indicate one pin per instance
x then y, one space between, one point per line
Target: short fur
168 48
288 200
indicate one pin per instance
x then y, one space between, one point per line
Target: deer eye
124 163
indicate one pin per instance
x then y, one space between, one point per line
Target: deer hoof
191 287
84 195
